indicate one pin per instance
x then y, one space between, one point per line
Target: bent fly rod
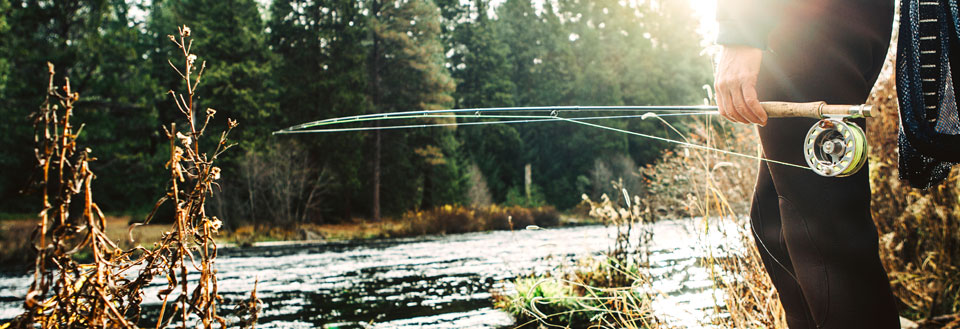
833 147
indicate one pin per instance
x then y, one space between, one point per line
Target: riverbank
448 219
16 231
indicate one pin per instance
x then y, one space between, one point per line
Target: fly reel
835 148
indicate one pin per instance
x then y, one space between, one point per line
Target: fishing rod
833 147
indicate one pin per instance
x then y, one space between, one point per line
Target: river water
435 281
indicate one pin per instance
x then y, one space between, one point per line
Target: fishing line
671 111
477 115
557 109
527 119
702 147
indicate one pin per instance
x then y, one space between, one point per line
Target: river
431 282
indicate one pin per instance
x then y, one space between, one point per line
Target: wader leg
826 51
768 236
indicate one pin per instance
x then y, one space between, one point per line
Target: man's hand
736 85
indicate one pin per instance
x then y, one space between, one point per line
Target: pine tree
322 74
97 45
237 78
482 68
407 73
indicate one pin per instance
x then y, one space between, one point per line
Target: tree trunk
427 202
376 106
376 179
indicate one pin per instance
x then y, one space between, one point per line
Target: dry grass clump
448 219
919 229
679 182
107 290
451 219
612 291
581 299
16 248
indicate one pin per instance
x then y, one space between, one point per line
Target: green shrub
583 298
547 299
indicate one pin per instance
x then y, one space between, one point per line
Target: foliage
15 249
67 292
322 53
276 184
582 298
93 42
536 296
457 219
478 193
517 197
305 60
240 84
408 73
919 229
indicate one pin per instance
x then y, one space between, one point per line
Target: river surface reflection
430 282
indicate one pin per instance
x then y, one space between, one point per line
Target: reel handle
816 110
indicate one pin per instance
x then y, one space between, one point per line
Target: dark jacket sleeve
748 22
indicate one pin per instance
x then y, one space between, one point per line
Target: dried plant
65 292
629 219
108 292
919 229
614 292
717 187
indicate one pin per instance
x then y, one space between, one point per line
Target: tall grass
610 291
919 229
683 183
717 187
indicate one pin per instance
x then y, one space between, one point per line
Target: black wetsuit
815 234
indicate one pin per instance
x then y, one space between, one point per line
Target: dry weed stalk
74 294
102 294
629 219
919 229
193 176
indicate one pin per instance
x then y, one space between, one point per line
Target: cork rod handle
816 110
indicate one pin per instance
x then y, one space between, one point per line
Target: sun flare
706 11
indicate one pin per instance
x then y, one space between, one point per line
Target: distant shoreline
17 255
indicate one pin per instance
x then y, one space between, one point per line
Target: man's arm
745 26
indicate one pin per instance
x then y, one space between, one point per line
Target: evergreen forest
275 64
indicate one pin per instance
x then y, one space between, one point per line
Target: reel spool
835 148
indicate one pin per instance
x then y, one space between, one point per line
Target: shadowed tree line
296 61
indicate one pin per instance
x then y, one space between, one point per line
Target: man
815 234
